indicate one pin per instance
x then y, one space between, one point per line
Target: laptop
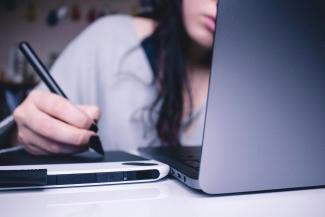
21 170
265 118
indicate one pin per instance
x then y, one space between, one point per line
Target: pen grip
45 76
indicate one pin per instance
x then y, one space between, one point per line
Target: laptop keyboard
195 164
184 159
190 156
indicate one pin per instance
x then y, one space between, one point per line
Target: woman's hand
50 124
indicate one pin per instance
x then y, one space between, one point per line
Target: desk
164 198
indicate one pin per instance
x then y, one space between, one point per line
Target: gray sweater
106 66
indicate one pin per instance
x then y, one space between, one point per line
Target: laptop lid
265 119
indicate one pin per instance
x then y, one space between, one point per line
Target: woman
148 78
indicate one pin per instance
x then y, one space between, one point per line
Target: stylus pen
45 76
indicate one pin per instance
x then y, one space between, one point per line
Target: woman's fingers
60 108
39 145
92 112
34 150
49 124
62 132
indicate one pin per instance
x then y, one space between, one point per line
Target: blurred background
49 25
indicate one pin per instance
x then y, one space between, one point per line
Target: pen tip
96 145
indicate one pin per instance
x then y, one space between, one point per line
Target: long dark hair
171 78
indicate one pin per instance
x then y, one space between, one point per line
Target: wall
45 39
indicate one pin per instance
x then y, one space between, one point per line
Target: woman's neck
198 72
199 58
